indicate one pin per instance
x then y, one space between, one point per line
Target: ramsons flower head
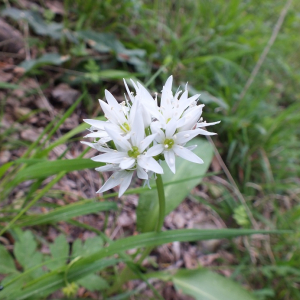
141 132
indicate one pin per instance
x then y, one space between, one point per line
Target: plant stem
161 201
161 213
125 274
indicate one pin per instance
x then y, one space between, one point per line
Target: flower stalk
161 201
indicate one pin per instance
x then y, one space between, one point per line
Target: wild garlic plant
140 132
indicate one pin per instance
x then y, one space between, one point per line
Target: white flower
120 118
120 177
171 144
182 109
129 155
139 132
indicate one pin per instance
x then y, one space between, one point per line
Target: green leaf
107 42
11 86
93 282
35 20
5 167
25 248
94 262
205 285
46 59
90 246
60 252
49 283
7 264
27 254
67 212
147 211
48 168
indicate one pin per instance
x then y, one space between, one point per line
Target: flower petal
138 129
111 100
128 91
125 182
108 167
187 154
204 124
98 147
118 139
141 173
146 142
149 163
171 128
127 163
184 136
204 132
155 150
170 159
112 157
167 92
96 123
97 134
191 147
113 180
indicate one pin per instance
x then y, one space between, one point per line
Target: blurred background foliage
214 45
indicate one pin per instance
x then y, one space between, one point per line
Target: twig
265 51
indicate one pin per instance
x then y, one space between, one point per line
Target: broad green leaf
93 282
7 264
35 20
147 211
90 246
59 251
15 286
25 247
102 42
46 59
48 168
107 42
67 212
94 262
36 259
27 254
206 285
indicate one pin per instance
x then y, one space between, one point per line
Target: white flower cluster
139 133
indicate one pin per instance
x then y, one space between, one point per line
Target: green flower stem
161 201
125 274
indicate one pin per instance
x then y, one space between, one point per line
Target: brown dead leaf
55 6
64 94
31 134
10 38
4 156
5 77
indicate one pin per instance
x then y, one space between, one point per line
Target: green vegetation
214 45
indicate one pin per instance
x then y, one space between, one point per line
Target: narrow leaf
68 212
206 285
